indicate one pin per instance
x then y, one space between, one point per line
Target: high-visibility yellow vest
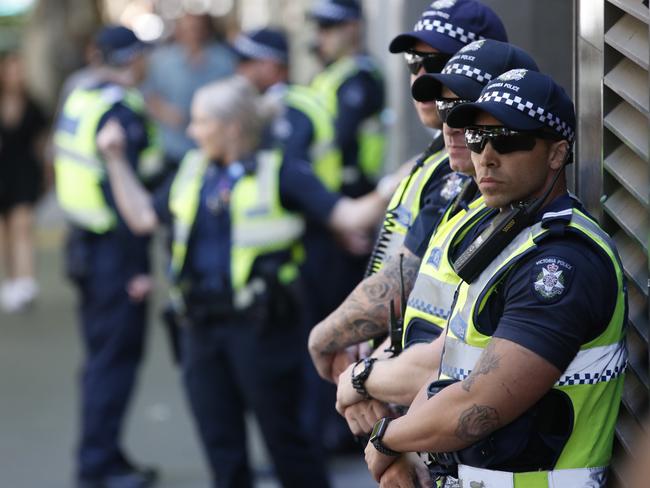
402 210
433 292
326 158
259 223
593 381
79 169
371 135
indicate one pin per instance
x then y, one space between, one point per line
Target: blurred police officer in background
105 260
532 368
418 204
237 213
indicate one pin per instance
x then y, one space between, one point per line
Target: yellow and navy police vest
259 223
592 382
78 166
402 210
326 158
372 139
433 292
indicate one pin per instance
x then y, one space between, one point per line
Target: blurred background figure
193 58
22 141
108 264
351 87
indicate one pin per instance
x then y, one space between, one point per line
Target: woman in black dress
22 139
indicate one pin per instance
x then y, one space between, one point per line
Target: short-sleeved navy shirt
555 299
293 132
358 98
121 248
208 260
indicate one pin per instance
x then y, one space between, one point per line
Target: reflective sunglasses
431 62
445 105
503 140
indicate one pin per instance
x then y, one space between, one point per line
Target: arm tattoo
487 362
364 314
477 422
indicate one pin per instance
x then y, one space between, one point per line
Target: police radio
396 324
501 232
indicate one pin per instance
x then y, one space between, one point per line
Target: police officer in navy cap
529 384
419 203
108 264
460 81
298 113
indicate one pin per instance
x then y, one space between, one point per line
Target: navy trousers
229 368
113 330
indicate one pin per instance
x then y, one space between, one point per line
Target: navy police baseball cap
119 45
471 68
448 25
331 12
262 44
521 100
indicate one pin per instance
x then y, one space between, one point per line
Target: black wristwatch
377 435
359 379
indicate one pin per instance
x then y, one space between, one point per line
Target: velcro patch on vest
434 257
551 278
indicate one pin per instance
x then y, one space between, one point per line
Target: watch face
378 429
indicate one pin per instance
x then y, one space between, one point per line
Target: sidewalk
39 357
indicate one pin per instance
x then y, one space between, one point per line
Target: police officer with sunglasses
419 202
529 385
397 380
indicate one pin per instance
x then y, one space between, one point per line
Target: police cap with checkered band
521 100
332 12
448 25
471 68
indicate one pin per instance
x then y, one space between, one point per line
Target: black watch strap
376 438
359 376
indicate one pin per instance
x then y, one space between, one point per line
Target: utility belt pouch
76 255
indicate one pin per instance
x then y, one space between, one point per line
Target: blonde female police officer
237 221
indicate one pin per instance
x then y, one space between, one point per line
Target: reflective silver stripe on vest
560 478
181 230
265 175
460 358
590 366
261 234
432 296
91 218
85 161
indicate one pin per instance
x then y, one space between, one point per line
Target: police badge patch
513 75
551 278
442 4
452 186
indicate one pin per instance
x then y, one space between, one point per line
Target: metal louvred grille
626 196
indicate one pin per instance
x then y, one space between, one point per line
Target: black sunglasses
445 105
503 140
431 62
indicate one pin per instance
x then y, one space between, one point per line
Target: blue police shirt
121 249
552 321
358 98
208 264
293 132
